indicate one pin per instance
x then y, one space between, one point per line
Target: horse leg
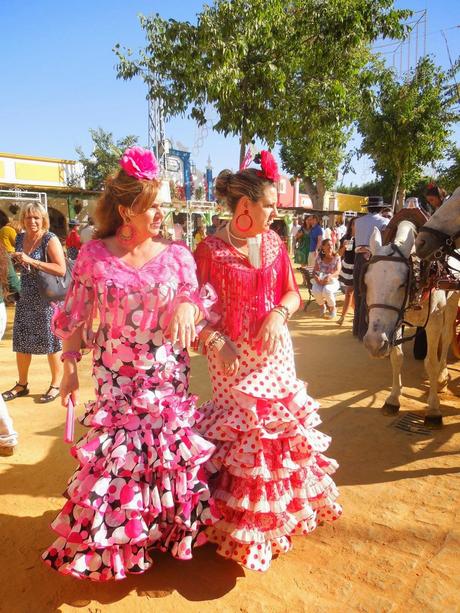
433 417
391 406
450 314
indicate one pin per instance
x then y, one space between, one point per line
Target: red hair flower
269 167
140 163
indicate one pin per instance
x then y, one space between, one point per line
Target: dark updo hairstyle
231 187
126 191
434 190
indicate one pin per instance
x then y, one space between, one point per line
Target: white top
86 234
364 226
295 229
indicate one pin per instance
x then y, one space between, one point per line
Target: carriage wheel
455 345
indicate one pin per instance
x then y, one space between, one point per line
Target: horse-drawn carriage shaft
391 295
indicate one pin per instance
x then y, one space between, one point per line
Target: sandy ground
396 548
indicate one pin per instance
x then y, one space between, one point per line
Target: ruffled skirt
273 480
140 485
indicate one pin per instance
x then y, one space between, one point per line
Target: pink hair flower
140 163
269 167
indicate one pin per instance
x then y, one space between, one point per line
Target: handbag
51 287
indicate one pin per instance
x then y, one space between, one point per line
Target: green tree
406 123
104 158
326 96
449 173
244 57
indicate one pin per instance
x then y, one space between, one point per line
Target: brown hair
231 187
121 189
434 190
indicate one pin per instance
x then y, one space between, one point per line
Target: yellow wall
2 169
37 172
349 202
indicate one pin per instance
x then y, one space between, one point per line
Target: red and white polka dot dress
272 479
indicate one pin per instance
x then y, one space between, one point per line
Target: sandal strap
47 393
20 385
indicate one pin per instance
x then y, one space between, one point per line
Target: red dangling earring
126 233
245 226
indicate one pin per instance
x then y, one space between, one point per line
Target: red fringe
247 295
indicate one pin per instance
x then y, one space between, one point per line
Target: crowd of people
246 470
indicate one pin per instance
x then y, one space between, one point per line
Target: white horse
442 225
387 281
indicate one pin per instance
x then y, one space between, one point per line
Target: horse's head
386 280
444 223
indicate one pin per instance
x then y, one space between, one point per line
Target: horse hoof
390 409
433 421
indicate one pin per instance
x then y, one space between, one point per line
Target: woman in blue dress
36 249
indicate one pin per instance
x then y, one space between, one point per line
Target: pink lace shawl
246 294
102 285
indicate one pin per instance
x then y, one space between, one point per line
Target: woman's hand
22 258
228 359
182 325
69 386
271 332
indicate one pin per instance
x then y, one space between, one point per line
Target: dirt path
397 547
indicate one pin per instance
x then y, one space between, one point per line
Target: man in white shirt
294 231
364 227
87 233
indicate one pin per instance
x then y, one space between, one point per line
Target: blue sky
59 79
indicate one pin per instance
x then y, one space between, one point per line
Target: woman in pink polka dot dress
140 484
272 480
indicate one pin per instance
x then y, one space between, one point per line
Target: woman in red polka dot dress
272 480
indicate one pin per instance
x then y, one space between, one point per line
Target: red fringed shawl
246 294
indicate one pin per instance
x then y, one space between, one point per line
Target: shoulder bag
51 287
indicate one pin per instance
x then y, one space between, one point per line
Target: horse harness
446 249
416 285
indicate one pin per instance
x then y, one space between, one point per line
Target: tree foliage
104 158
449 173
255 61
405 124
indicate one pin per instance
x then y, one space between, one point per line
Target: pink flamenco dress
141 483
273 479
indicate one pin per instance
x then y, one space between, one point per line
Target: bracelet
216 340
213 334
71 355
197 315
283 311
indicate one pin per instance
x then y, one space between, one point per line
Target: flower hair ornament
269 166
140 163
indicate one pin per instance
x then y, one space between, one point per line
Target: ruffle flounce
273 477
141 484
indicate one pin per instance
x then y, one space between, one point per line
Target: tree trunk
311 190
320 190
401 198
395 192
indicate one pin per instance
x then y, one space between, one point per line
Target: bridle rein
447 245
406 303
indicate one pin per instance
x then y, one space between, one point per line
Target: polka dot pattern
274 479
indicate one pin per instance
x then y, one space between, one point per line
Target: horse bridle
447 246
401 321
